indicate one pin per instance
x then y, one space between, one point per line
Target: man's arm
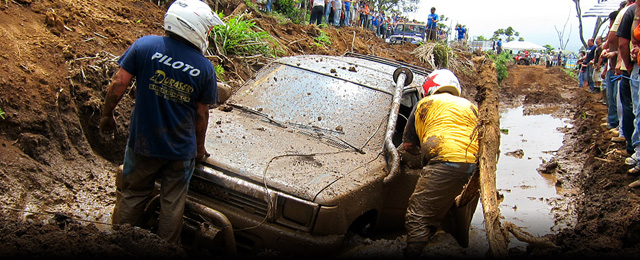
119 83
625 53
410 139
202 120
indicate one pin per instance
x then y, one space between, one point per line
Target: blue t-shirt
430 23
171 78
461 32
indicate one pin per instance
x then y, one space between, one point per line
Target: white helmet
442 80
191 20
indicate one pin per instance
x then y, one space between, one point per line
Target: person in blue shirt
461 32
175 84
499 46
432 23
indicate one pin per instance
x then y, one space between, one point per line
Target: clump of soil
57 174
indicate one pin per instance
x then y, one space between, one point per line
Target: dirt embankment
58 55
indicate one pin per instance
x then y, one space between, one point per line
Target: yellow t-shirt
445 123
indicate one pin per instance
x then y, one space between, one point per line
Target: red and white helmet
441 80
191 20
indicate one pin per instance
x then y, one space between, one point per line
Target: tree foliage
509 34
396 6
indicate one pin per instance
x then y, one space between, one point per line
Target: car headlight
297 211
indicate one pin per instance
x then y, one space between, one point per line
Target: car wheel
364 225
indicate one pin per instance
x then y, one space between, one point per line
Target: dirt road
58 56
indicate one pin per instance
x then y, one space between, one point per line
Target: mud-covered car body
298 153
408 32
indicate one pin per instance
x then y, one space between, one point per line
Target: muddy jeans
134 187
432 205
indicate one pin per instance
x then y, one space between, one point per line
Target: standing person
337 12
328 6
611 86
581 69
499 46
587 64
347 12
461 32
440 131
317 11
597 67
624 86
432 23
175 85
629 68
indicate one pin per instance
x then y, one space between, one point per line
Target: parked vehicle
522 59
408 32
300 154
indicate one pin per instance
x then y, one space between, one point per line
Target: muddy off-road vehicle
305 152
408 32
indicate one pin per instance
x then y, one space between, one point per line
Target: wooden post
488 153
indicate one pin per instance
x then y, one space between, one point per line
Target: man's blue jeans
635 91
588 77
580 78
612 101
627 110
269 4
347 17
327 11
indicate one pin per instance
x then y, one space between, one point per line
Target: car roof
369 71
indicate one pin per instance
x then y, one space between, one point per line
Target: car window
296 96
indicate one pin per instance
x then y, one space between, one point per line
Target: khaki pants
432 204
134 188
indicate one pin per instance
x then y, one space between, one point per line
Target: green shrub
501 64
243 37
289 8
219 71
323 38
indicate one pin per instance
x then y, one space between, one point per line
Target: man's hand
107 125
413 161
202 154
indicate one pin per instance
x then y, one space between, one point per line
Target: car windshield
317 102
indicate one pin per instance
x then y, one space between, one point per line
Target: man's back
171 78
444 125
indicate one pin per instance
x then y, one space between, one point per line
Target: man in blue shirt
432 23
175 85
461 32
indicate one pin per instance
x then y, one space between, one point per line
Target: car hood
285 159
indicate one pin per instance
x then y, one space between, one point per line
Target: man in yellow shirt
441 132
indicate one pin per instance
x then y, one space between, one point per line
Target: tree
563 44
507 33
599 22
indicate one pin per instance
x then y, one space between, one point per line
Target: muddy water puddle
529 197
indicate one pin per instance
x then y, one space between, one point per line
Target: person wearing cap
175 84
440 132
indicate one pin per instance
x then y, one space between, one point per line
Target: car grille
228 196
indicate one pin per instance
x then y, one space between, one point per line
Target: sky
534 20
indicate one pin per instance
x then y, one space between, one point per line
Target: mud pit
58 55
